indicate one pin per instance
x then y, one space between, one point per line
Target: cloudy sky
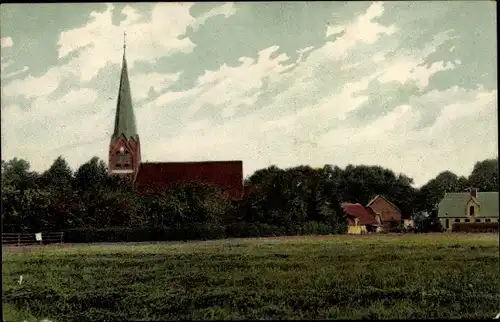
407 85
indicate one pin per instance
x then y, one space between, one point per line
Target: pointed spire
125 118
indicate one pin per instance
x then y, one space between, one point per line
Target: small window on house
471 210
467 220
457 220
488 220
478 220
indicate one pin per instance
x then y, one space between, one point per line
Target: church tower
124 147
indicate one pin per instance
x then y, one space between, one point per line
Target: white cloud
410 66
423 153
231 86
6 63
31 86
14 73
363 30
52 124
142 83
329 109
404 69
146 41
6 42
227 9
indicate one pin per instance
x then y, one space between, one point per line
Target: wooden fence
20 239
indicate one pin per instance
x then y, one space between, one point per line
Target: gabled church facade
125 156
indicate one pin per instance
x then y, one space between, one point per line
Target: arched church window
123 158
119 159
127 160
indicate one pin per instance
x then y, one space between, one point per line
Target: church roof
124 118
227 175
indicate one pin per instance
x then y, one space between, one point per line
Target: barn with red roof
360 219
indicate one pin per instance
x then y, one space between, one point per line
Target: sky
410 86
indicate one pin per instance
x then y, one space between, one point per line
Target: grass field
331 277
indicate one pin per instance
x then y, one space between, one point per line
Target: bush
475 227
127 234
193 232
401 228
244 229
203 232
316 228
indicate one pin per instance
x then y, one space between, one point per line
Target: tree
16 172
188 207
427 222
262 176
91 174
34 210
11 207
17 182
294 197
59 175
484 176
430 194
359 184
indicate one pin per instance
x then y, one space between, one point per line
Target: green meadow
409 276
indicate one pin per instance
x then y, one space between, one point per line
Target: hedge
475 227
244 229
127 234
192 232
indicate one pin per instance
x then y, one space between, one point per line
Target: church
125 156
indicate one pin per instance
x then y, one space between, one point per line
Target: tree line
90 206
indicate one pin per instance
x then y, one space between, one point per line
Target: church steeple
124 148
124 118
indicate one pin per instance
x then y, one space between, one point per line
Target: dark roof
356 210
124 118
227 175
454 204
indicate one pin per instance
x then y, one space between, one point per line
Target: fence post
18 239
62 239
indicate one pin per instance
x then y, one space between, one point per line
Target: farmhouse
125 156
468 207
390 214
361 219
